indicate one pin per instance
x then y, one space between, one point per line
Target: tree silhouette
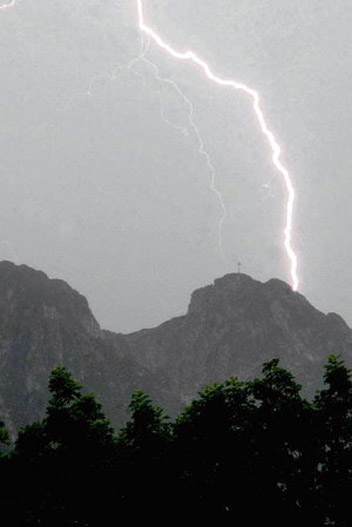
238 448
72 448
334 422
145 466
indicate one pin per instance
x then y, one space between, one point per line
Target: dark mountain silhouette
230 329
233 326
45 323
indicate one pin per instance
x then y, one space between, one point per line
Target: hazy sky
104 184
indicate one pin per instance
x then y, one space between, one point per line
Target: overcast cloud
102 180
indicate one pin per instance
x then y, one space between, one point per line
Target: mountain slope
45 323
231 328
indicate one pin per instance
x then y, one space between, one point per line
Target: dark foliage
240 451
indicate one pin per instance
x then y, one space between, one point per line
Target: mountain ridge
234 325
231 328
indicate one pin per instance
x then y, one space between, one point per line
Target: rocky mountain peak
231 328
228 289
28 295
235 295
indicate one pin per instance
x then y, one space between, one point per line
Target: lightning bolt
131 66
7 6
190 56
192 124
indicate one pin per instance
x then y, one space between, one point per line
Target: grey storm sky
102 180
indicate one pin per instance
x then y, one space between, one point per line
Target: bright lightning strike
190 56
7 6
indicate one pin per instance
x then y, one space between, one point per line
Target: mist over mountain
231 327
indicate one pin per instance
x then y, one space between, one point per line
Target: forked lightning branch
190 56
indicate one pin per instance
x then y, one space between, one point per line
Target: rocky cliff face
231 328
45 323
